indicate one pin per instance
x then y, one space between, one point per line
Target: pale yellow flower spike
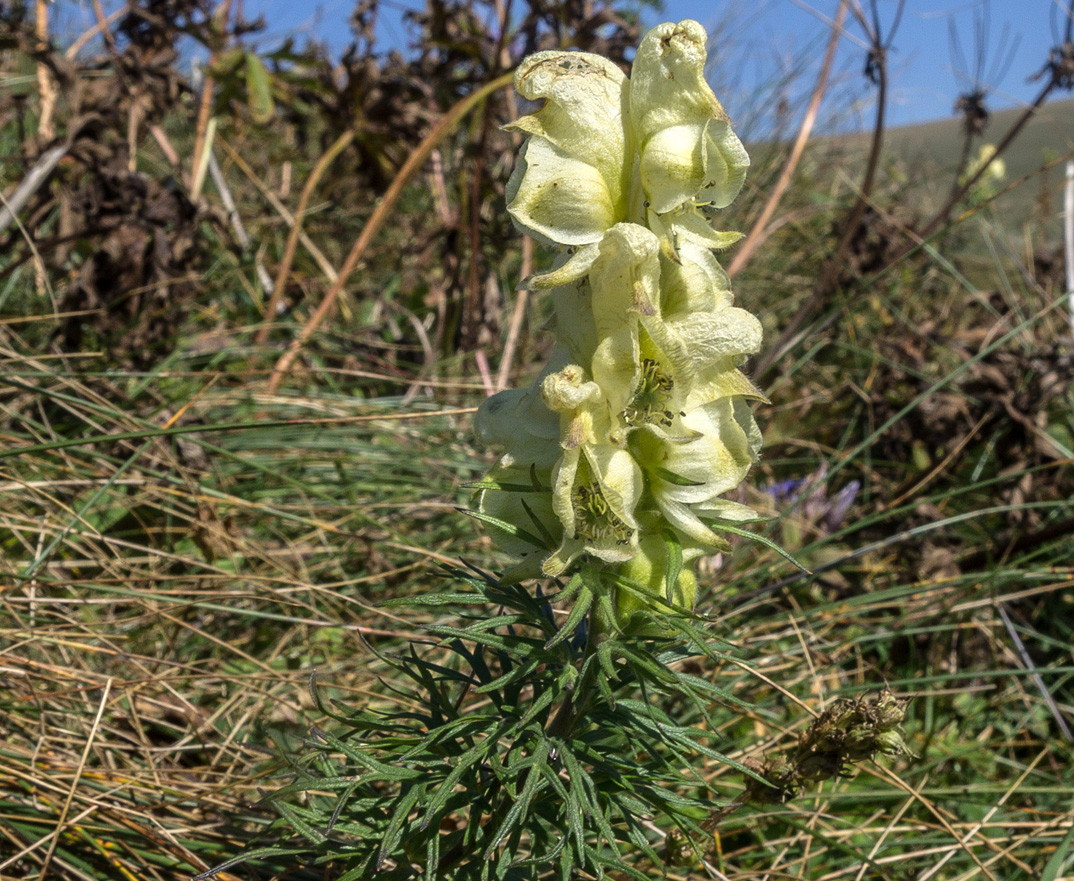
625 445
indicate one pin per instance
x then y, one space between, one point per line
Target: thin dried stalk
204 111
1068 239
318 256
277 288
101 27
45 85
759 232
378 217
44 166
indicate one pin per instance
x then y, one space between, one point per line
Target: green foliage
510 748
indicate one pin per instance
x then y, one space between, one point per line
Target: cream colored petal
687 521
574 267
581 405
619 477
688 224
529 510
672 166
744 417
712 461
582 114
682 518
573 324
730 332
514 419
567 390
610 534
558 561
724 381
559 199
615 368
568 186
726 162
694 282
625 278
564 477
664 342
732 512
688 151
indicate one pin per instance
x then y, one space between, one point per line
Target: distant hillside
929 152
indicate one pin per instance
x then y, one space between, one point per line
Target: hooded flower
569 185
604 149
688 152
596 485
686 477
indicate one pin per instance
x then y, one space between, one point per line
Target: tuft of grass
180 550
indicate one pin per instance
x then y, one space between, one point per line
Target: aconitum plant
617 459
517 743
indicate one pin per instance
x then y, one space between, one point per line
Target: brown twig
165 145
876 70
101 27
284 270
61 822
44 79
205 106
515 329
376 220
758 232
522 299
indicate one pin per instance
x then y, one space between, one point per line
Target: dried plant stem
44 79
318 256
522 300
101 27
941 216
165 145
279 285
830 274
964 841
235 219
759 231
60 823
1068 239
1038 681
963 159
44 166
202 165
204 111
517 315
378 217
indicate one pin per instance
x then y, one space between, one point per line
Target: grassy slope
932 149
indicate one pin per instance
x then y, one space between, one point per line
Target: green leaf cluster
511 747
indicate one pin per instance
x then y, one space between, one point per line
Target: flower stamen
649 404
594 520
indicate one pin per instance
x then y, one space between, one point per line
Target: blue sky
766 40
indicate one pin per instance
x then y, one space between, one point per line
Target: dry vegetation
243 328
